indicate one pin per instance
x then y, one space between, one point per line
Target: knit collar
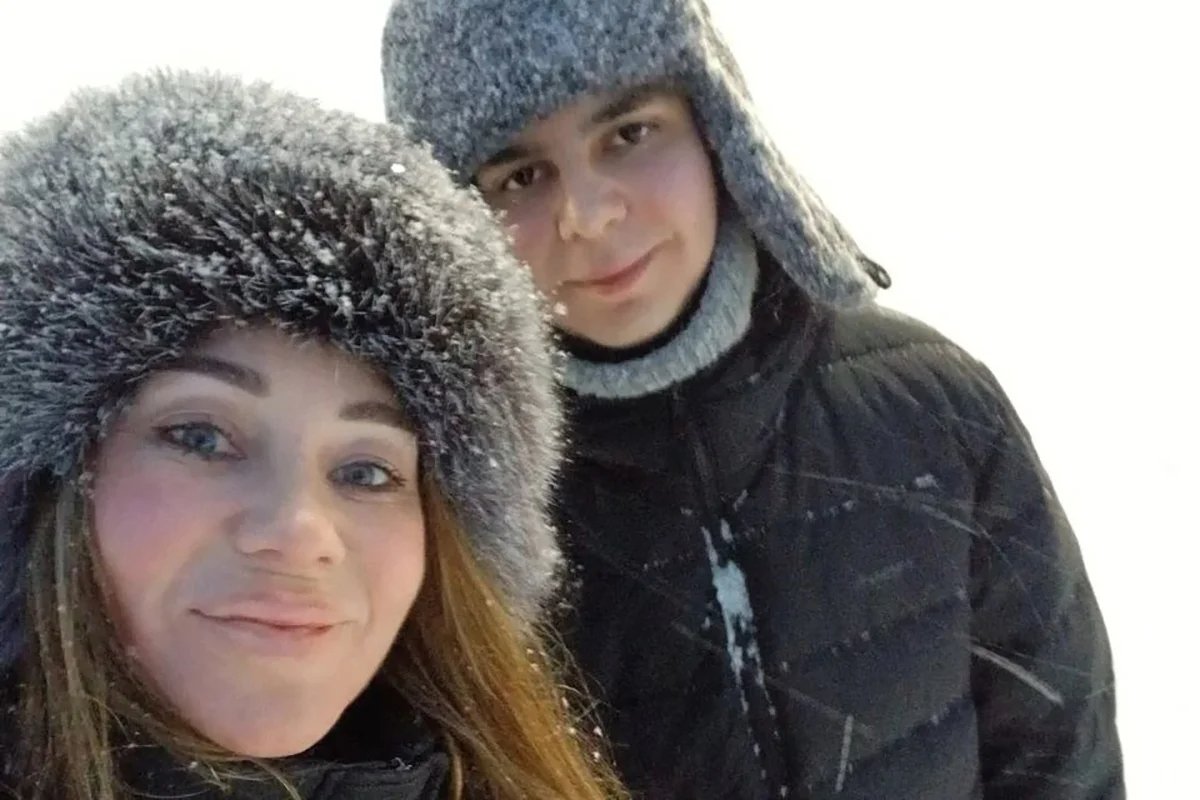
720 321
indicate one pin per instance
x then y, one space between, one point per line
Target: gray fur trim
134 221
718 324
468 75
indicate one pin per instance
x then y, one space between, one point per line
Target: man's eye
521 178
201 439
632 133
367 475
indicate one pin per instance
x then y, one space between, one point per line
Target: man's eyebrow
506 155
619 106
630 101
236 375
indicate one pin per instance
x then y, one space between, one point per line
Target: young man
814 552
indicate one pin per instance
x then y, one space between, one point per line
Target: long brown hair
488 685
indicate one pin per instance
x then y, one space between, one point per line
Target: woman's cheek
393 558
150 515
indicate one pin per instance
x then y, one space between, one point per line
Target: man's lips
614 278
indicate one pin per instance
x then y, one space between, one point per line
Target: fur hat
468 75
133 221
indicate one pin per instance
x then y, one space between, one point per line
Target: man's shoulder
871 331
873 351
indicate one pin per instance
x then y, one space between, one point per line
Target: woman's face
259 524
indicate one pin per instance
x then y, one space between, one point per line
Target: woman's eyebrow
383 413
241 377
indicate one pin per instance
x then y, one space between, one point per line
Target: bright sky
1016 166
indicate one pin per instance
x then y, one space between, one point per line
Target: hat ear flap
785 214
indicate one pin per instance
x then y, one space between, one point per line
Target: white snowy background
1027 171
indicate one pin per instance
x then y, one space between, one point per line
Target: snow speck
734 599
926 482
844 762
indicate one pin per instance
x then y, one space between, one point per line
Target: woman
277 431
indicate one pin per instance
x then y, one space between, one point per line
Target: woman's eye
521 178
201 439
367 475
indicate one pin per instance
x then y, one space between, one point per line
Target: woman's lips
275 610
270 637
271 627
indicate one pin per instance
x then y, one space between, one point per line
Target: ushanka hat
134 221
469 75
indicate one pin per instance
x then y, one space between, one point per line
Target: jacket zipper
763 725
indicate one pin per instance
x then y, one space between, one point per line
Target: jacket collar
734 404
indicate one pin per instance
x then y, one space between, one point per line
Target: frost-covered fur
468 75
134 221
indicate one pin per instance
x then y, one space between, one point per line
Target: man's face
612 203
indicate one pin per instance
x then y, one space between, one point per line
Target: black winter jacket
831 566
367 756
